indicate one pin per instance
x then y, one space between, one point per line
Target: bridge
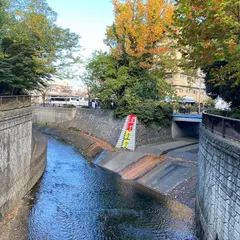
187 117
186 125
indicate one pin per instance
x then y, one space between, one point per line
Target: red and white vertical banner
127 138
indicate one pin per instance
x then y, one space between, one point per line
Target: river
77 200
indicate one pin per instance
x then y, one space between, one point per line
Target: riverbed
77 200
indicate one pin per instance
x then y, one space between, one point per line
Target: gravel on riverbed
185 192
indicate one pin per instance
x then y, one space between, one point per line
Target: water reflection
76 201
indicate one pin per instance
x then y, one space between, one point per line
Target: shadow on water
76 201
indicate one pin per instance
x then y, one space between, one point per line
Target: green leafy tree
209 33
125 85
228 91
33 47
4 16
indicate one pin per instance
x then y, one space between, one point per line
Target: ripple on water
77 201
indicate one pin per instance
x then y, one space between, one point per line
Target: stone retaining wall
218 192
100 123
20 166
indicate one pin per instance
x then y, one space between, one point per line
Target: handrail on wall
14 102
225 126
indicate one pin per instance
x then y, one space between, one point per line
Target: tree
3 12
18 70
133 73
101 75
209 33
141 31
125 85
91 84
34 48
226 90
4 16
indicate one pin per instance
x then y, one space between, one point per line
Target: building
189 87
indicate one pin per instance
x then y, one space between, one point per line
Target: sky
87 18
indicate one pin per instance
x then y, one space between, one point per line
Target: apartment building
189 87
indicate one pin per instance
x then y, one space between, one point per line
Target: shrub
163 113
145 111
235 113
148 111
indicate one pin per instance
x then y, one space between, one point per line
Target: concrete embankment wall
54 116
218 192
99 123
20 165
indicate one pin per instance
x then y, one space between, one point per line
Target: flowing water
76 200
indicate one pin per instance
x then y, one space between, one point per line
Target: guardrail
14 102
224 126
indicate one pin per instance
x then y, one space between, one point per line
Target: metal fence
224 126
14 102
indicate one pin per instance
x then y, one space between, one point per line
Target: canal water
77 200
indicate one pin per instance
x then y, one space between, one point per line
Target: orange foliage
143 26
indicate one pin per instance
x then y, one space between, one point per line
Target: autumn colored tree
141 31
209 34
132 75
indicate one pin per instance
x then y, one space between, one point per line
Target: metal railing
224 126
14 102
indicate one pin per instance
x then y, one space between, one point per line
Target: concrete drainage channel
167 168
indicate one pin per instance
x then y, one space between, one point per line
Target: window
60 99
169 75
180 90
183 76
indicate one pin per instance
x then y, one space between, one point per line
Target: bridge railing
224 126
14 102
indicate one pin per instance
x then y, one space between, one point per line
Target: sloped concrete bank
174 177
89 146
